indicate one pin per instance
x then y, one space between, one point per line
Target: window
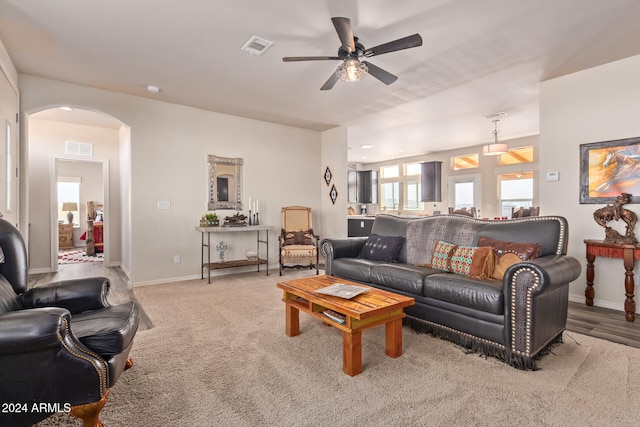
390 195
412 192
464 191
517 155
467 161
463 194
400 187
516 190
68 192
412 169
390 171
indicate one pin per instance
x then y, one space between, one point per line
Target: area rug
77 256
218 355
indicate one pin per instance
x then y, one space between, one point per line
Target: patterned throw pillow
298 238
382 248
441 257
453 258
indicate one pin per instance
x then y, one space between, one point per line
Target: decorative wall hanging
333 194
327 176
609 168
615 212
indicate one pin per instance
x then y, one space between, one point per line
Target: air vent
256 45
78 148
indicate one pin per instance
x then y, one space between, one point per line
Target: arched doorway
72 145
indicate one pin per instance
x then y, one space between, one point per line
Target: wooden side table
65 236
629 254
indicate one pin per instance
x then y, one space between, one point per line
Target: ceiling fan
350 52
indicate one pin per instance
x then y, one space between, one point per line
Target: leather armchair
62 345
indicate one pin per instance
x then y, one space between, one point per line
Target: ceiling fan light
352 70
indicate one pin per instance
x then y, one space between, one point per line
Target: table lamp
71 207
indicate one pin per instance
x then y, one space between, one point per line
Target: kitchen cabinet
362 186
431 182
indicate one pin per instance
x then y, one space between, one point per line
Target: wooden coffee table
373 308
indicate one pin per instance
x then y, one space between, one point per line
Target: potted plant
210 219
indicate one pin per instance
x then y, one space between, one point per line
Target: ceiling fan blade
308 58
380 74
329 84
400 44
343 28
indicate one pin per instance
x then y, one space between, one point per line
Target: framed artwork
327 176
333 194
609 168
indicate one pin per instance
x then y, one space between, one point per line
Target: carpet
77 256
218 355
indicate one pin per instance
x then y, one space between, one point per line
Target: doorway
78 182
465 191
77 145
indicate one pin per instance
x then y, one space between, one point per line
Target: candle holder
250 223
257 220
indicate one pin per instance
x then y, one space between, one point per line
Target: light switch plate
164 205
553 176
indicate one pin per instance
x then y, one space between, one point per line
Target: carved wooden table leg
629 303
588 292
90 412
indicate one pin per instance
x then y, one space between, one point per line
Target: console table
629 254
206 243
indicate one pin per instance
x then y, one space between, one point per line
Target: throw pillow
525 251
298 238
382 248
455 258
461 260
441 258
504 262
483 263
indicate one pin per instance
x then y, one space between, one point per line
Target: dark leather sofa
516 319
62 345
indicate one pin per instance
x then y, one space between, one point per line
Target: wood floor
594 321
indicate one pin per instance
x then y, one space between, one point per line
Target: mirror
225 183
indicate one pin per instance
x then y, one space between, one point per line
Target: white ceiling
478 58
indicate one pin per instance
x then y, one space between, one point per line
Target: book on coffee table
343 291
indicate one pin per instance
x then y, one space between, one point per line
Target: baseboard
612 305
167 280
40 270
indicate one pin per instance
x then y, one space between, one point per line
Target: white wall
334 156
598 104
169 148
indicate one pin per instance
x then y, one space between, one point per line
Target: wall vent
78 148
256 45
